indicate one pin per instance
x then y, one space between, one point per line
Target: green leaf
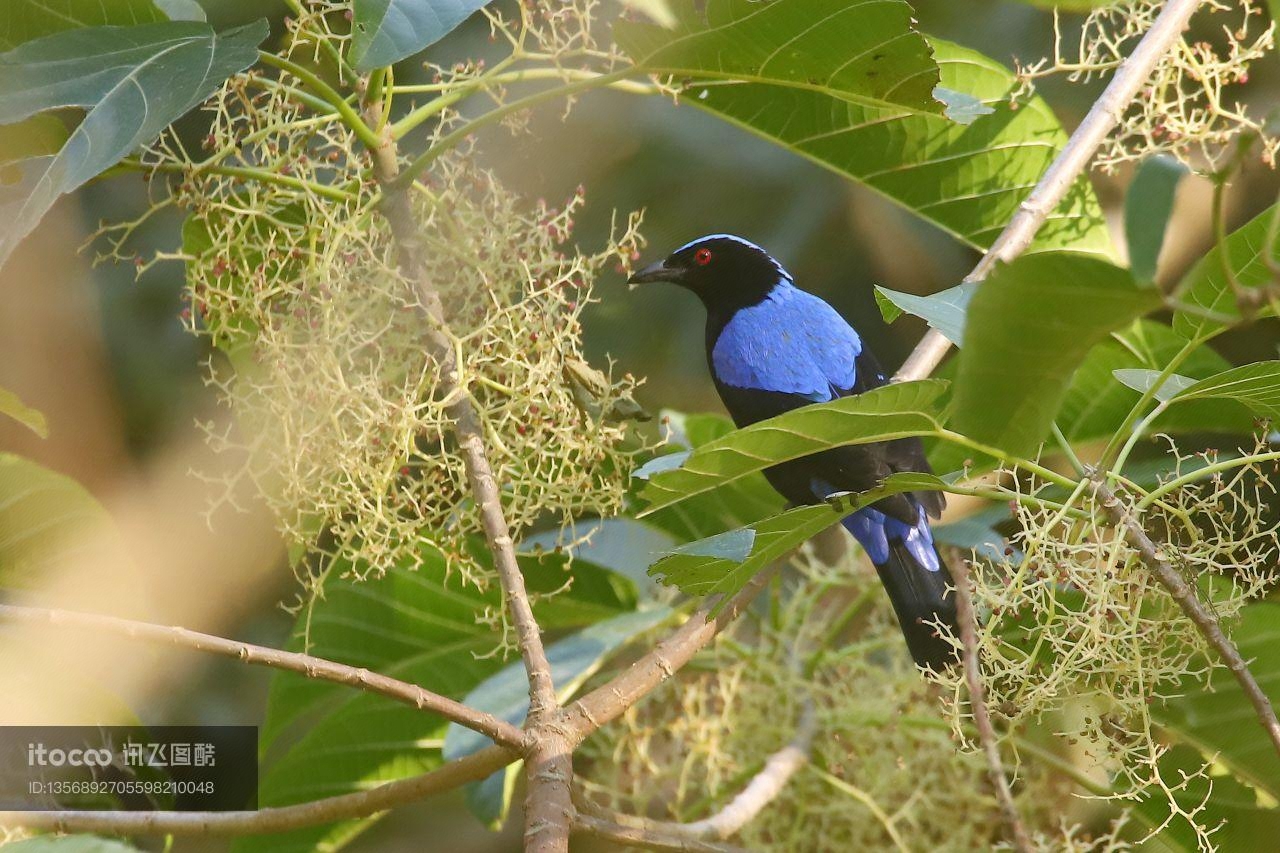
44 517
865 52
1141 380
1147 207
774 538
13 407
505 694
967 180
69 844
1072 5
1207 287
182 10
622 545
1096 403
944 310
133 81
383 32
1029 327
24 20
962 108
893 411
1256 386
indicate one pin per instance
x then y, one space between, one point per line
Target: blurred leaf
1072 5
69 844
1147 207
43 517
24 20
732 545
893 411
961 108
774 538
622 545
1256 385
658 464
35 136
658 11
181 10
1029 327
383 32
967 180
13 407
134 81
972 533
505 694
868 53
943 310
1206 286
1141 380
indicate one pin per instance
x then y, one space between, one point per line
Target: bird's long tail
916 579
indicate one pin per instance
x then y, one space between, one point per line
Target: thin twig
477 766
1183 593
609 701
763 789
981 716
634 836
497 730
1070 163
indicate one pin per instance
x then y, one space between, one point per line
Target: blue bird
772 348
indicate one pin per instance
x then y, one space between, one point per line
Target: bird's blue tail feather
914 576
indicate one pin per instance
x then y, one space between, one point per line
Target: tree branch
499 731
1185 596
473 768
549 762
610 700
978 702
763 789
634 836
1070 163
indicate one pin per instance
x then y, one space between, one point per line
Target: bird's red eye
702 257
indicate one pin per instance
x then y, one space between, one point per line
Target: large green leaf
894 411
1029 327
700 572
384 32
1207 287
866 52
133 81
24 20
69 844
944 310
967 180
13 407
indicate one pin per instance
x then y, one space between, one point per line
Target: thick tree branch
611 700
1070 163
473 768
978 702
549 764
500 731
1183 593
763 789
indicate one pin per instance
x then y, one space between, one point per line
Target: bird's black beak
655 272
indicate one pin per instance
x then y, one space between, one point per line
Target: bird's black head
723 270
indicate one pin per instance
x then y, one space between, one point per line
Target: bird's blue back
791 342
